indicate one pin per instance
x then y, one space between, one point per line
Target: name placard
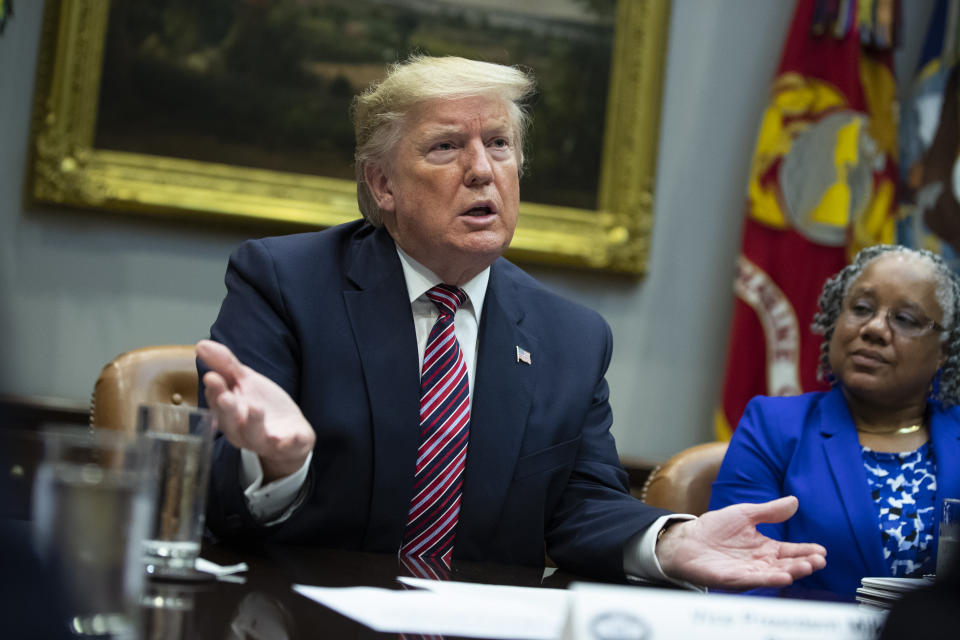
603 612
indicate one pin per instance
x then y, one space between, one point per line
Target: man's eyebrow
432 132
455 129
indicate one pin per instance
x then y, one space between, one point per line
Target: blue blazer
326 316
807 446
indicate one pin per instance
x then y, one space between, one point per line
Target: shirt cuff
640 563
274 502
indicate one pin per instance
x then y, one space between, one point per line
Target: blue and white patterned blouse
904 490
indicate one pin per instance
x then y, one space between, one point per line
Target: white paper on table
451 608
555 599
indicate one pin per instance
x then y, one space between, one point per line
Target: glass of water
93 501
180 440
948 547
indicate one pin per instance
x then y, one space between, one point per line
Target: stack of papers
881 593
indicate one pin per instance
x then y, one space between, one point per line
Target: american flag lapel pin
523 355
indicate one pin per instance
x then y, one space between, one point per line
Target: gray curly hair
947 391
379 112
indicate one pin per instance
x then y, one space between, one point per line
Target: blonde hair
379 112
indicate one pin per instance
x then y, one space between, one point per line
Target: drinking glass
93 499
169 610
181 444
948 548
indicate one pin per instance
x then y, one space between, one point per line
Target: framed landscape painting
239 109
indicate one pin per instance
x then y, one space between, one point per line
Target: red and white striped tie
444 431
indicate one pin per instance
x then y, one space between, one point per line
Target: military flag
821 187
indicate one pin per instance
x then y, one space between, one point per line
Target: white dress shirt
275 501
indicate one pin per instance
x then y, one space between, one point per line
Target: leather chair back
151 375
683 482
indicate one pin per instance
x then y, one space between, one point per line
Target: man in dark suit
404 388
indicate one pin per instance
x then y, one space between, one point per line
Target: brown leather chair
683 482
160 374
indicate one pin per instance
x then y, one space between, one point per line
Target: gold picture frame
68 169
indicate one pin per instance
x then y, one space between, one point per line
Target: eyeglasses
907 323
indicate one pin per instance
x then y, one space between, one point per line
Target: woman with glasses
872 459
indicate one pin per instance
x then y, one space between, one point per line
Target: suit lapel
503 391
945 434
379 311
842 449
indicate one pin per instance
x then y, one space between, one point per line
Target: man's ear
379 185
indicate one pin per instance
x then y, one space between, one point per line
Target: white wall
77 287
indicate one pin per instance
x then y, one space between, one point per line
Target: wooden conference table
266 606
